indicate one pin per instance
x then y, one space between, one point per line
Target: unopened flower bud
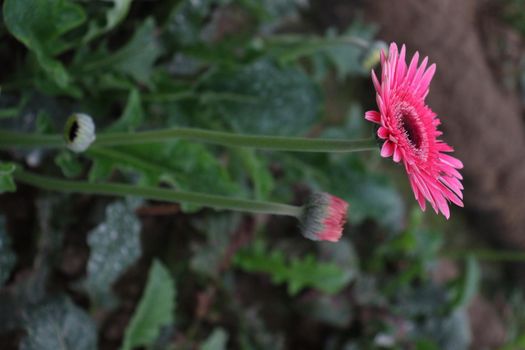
79 132
323 217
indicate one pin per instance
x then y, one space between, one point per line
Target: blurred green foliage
241 282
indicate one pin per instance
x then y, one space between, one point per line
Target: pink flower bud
324 217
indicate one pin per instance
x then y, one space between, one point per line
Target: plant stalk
277 143
155 193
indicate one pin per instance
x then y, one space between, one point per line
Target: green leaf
135 59
347 59
59 324
154 311
39 25
133 114
187 20
114 246
297 273
7 184
249 163
69 164
114 16
7 257
263 98
102 166
216 341
371 195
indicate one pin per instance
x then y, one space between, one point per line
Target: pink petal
419 72
383 132
387 149
382 57
424 83
373 117
442 204
413 67
454 162
376 82
397 154
401 66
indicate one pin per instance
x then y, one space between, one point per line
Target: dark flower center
409 125
73 131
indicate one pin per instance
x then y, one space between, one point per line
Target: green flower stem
8 138
277 143
155 193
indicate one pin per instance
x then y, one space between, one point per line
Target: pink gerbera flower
409 130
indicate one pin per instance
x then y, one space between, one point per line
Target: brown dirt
480 118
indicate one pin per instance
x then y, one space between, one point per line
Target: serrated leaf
59 324
263 98
297 273
309 271
154 311
114 246
40 24
132 116
7 184
135 59
7 256
114 16
216 341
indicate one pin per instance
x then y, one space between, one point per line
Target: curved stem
278 143
155 193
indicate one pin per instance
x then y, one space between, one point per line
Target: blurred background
92 272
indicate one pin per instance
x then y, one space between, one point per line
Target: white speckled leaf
59 324
115 245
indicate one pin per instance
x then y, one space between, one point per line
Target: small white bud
79 132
